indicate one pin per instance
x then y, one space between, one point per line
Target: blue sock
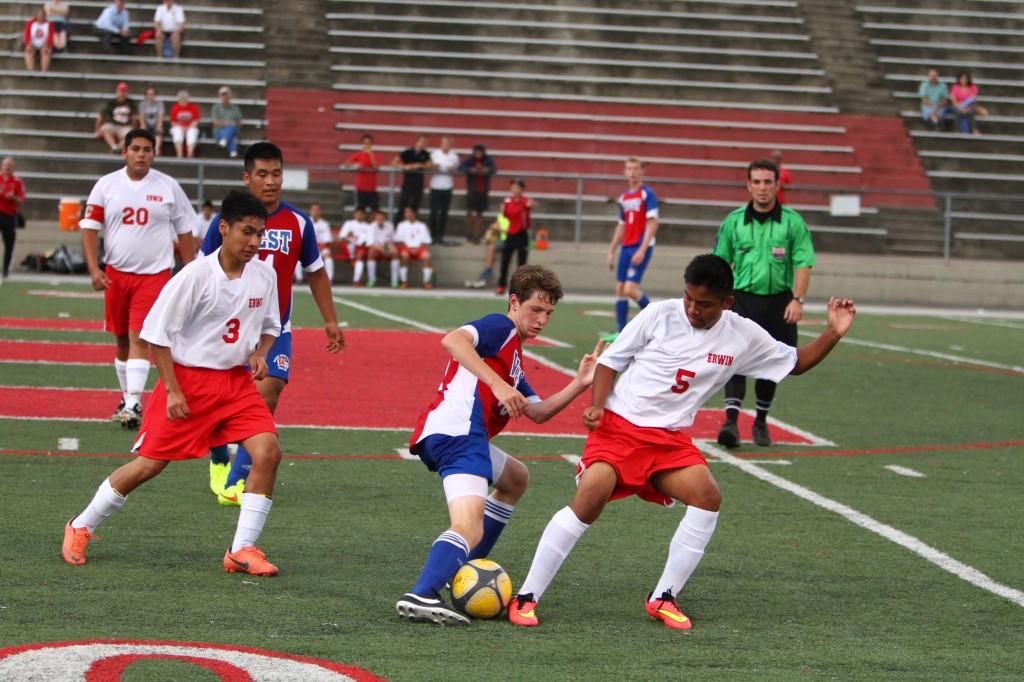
239 468
219 455
496 517
621 312
449 551
643 302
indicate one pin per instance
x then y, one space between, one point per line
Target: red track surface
383 380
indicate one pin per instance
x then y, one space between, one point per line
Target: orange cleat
522 611
664 609
76 541
250 560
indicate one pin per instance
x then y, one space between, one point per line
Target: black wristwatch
798 300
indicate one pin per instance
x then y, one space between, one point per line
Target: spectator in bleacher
479 168
38 38
113 26
964 97
445 162
57 14
12 196
168 22
206 213
227 121
934 100
785 177
413 161
184 126
151 117
364 162
116 119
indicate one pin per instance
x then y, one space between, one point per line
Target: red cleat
248 560
76 541
664 609
522 610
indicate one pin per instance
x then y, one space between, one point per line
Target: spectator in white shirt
412 238
169 20
203 225
324 237
445 163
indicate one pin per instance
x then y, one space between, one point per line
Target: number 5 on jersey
682 384
232 335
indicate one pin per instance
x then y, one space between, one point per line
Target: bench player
141 212
288 239
217 317
483 387
672 357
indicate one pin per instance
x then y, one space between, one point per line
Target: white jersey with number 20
669 368
210 321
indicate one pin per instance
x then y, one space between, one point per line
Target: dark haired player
290 238
141 212
212 320
672 357
484 386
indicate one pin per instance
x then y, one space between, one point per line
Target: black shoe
131 417
729 435
761 437
117 413
416 608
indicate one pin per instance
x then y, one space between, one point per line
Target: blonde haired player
215 318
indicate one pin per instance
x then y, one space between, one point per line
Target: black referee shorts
767 311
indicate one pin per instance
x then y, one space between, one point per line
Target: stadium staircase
987 39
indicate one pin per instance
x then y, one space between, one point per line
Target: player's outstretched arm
177 407
320 287
459 344
841 312
552 405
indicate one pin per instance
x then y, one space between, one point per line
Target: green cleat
232 497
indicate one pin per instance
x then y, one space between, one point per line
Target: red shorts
129 297
637 453
361 252
224 407
413 254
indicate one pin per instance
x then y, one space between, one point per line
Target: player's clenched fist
258 363
177 408
511 399
592 417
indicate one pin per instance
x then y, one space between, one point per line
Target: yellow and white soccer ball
481 589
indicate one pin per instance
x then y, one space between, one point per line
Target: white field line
572 459
960 359
405 454
904 471
47 342
55 362
813 439
58 388
67 443
989 323
940 559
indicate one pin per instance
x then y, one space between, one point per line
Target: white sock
428 275
394 271
686 549
104 503
255 509
136 374
371 271
558 539
329 267
403 273
357 272
120 366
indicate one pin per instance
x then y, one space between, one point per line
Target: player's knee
515 479
708 497
631 289
265 454
473 532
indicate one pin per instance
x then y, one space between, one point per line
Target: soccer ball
481 589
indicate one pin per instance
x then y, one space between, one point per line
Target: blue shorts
449 455
279 359
627 272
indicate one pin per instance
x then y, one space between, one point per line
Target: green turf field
789 588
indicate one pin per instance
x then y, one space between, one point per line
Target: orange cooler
70 213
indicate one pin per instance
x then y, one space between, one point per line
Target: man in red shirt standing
785 178
365 164
12 196
516 210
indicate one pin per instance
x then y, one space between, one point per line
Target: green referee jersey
765 254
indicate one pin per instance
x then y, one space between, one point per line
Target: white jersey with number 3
669 368
210 321
140 220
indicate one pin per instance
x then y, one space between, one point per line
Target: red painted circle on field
106 659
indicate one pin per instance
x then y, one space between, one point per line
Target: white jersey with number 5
669 368
140 220
210 321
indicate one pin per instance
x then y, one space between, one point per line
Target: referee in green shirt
770 250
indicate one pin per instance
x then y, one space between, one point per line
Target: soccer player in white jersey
322 228
672 358
141 212
210 330
359 235
382 248
412 238
484 386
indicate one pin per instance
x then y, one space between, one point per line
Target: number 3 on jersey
232 335
682 384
